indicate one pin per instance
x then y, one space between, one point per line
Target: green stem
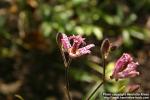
95 90
104 68
66 64
67 82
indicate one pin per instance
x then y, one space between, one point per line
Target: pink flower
125 67
74 50
133 88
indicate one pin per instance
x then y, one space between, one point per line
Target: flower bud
105 48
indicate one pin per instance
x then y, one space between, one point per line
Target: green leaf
126 38
109 70
122 89
132 17
109 19
147 35
82 75
46 29
99 91
19 97
87 29
137 34
98 33
95 67
79 30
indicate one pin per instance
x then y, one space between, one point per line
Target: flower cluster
74 50
125 67
75 46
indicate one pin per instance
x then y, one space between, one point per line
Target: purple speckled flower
74 50
125 67
132 87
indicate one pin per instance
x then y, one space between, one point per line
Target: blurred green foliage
27 35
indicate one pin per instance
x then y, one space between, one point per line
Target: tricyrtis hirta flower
125 67
133 88
74 45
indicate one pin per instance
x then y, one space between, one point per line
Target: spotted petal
121 64
65 42
85 50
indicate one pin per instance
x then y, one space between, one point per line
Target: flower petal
85 49
81 51
65 41
121 64
125 74
133 88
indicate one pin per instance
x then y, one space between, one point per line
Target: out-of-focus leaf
19 97
112 20
147 35
120 12
87 29
70 26
76 2
55 25
46 28
64 15
99 91
126 38
132 17
45 10
117 20
109 19
98 33
82 75
122 89
2 21
95 67
136 34
117 86
79 30
109 69
6 52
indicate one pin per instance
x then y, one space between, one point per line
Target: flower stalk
73 50
105 49
67 82
104 68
